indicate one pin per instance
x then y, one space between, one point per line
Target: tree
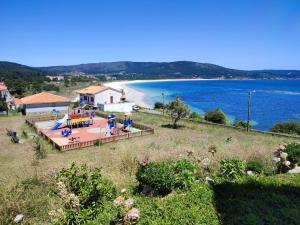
216 116
158 105
67 82
241 123
177 110
3 106
288 127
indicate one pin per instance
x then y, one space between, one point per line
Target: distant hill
15 69
161 70
148 70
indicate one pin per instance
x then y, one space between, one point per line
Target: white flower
287 163
118 201
205 163
74 200
283 155
56 214
281 147
132 215
128 203
276 159
123 190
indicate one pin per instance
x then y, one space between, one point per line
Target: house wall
117 107
48 107
6 94
102 97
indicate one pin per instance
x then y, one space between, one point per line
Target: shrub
232 169
177 110
97 142
162 178
293 151
216 116
255 166
241 123
158 105
39 148
85 193
288 127
195 116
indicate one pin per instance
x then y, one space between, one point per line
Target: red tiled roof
43 97
18 101
95 89
92 89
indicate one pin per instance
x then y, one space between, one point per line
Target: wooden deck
85 136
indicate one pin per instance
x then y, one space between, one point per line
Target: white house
4 93
57 78
105 98
44 102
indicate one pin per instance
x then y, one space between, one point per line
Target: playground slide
60 122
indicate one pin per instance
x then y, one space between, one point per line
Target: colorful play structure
78 118
81 128
112 124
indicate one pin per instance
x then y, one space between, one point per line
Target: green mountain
10 69
161 70
146 70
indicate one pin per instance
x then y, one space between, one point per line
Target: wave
279 92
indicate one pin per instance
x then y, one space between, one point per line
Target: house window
92 99
84 98
111 99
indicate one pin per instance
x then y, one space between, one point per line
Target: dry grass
118 160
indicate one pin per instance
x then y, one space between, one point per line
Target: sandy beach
138 96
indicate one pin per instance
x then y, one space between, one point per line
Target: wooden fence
144 130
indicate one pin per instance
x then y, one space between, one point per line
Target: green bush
162 178
39 148
216 116
92 193
255 165
293 151
241 123
158 105
288 127
195 116
232 169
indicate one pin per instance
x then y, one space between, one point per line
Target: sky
241 34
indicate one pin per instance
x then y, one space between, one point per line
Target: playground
82 129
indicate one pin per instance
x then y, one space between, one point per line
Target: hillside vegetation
148 70
30 185
163 70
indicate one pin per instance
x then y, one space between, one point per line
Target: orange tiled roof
93 89
18 101
3 87
43 97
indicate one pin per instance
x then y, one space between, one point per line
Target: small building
44 102
56 78
6 96
105 98
4 93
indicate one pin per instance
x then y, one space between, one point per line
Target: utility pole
163 95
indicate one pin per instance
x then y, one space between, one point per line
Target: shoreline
138 96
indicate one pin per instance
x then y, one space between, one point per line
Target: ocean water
272 101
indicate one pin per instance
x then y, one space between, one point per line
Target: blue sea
272 101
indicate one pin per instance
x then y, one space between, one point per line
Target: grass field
119 160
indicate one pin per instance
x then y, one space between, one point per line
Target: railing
37 118
144 130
